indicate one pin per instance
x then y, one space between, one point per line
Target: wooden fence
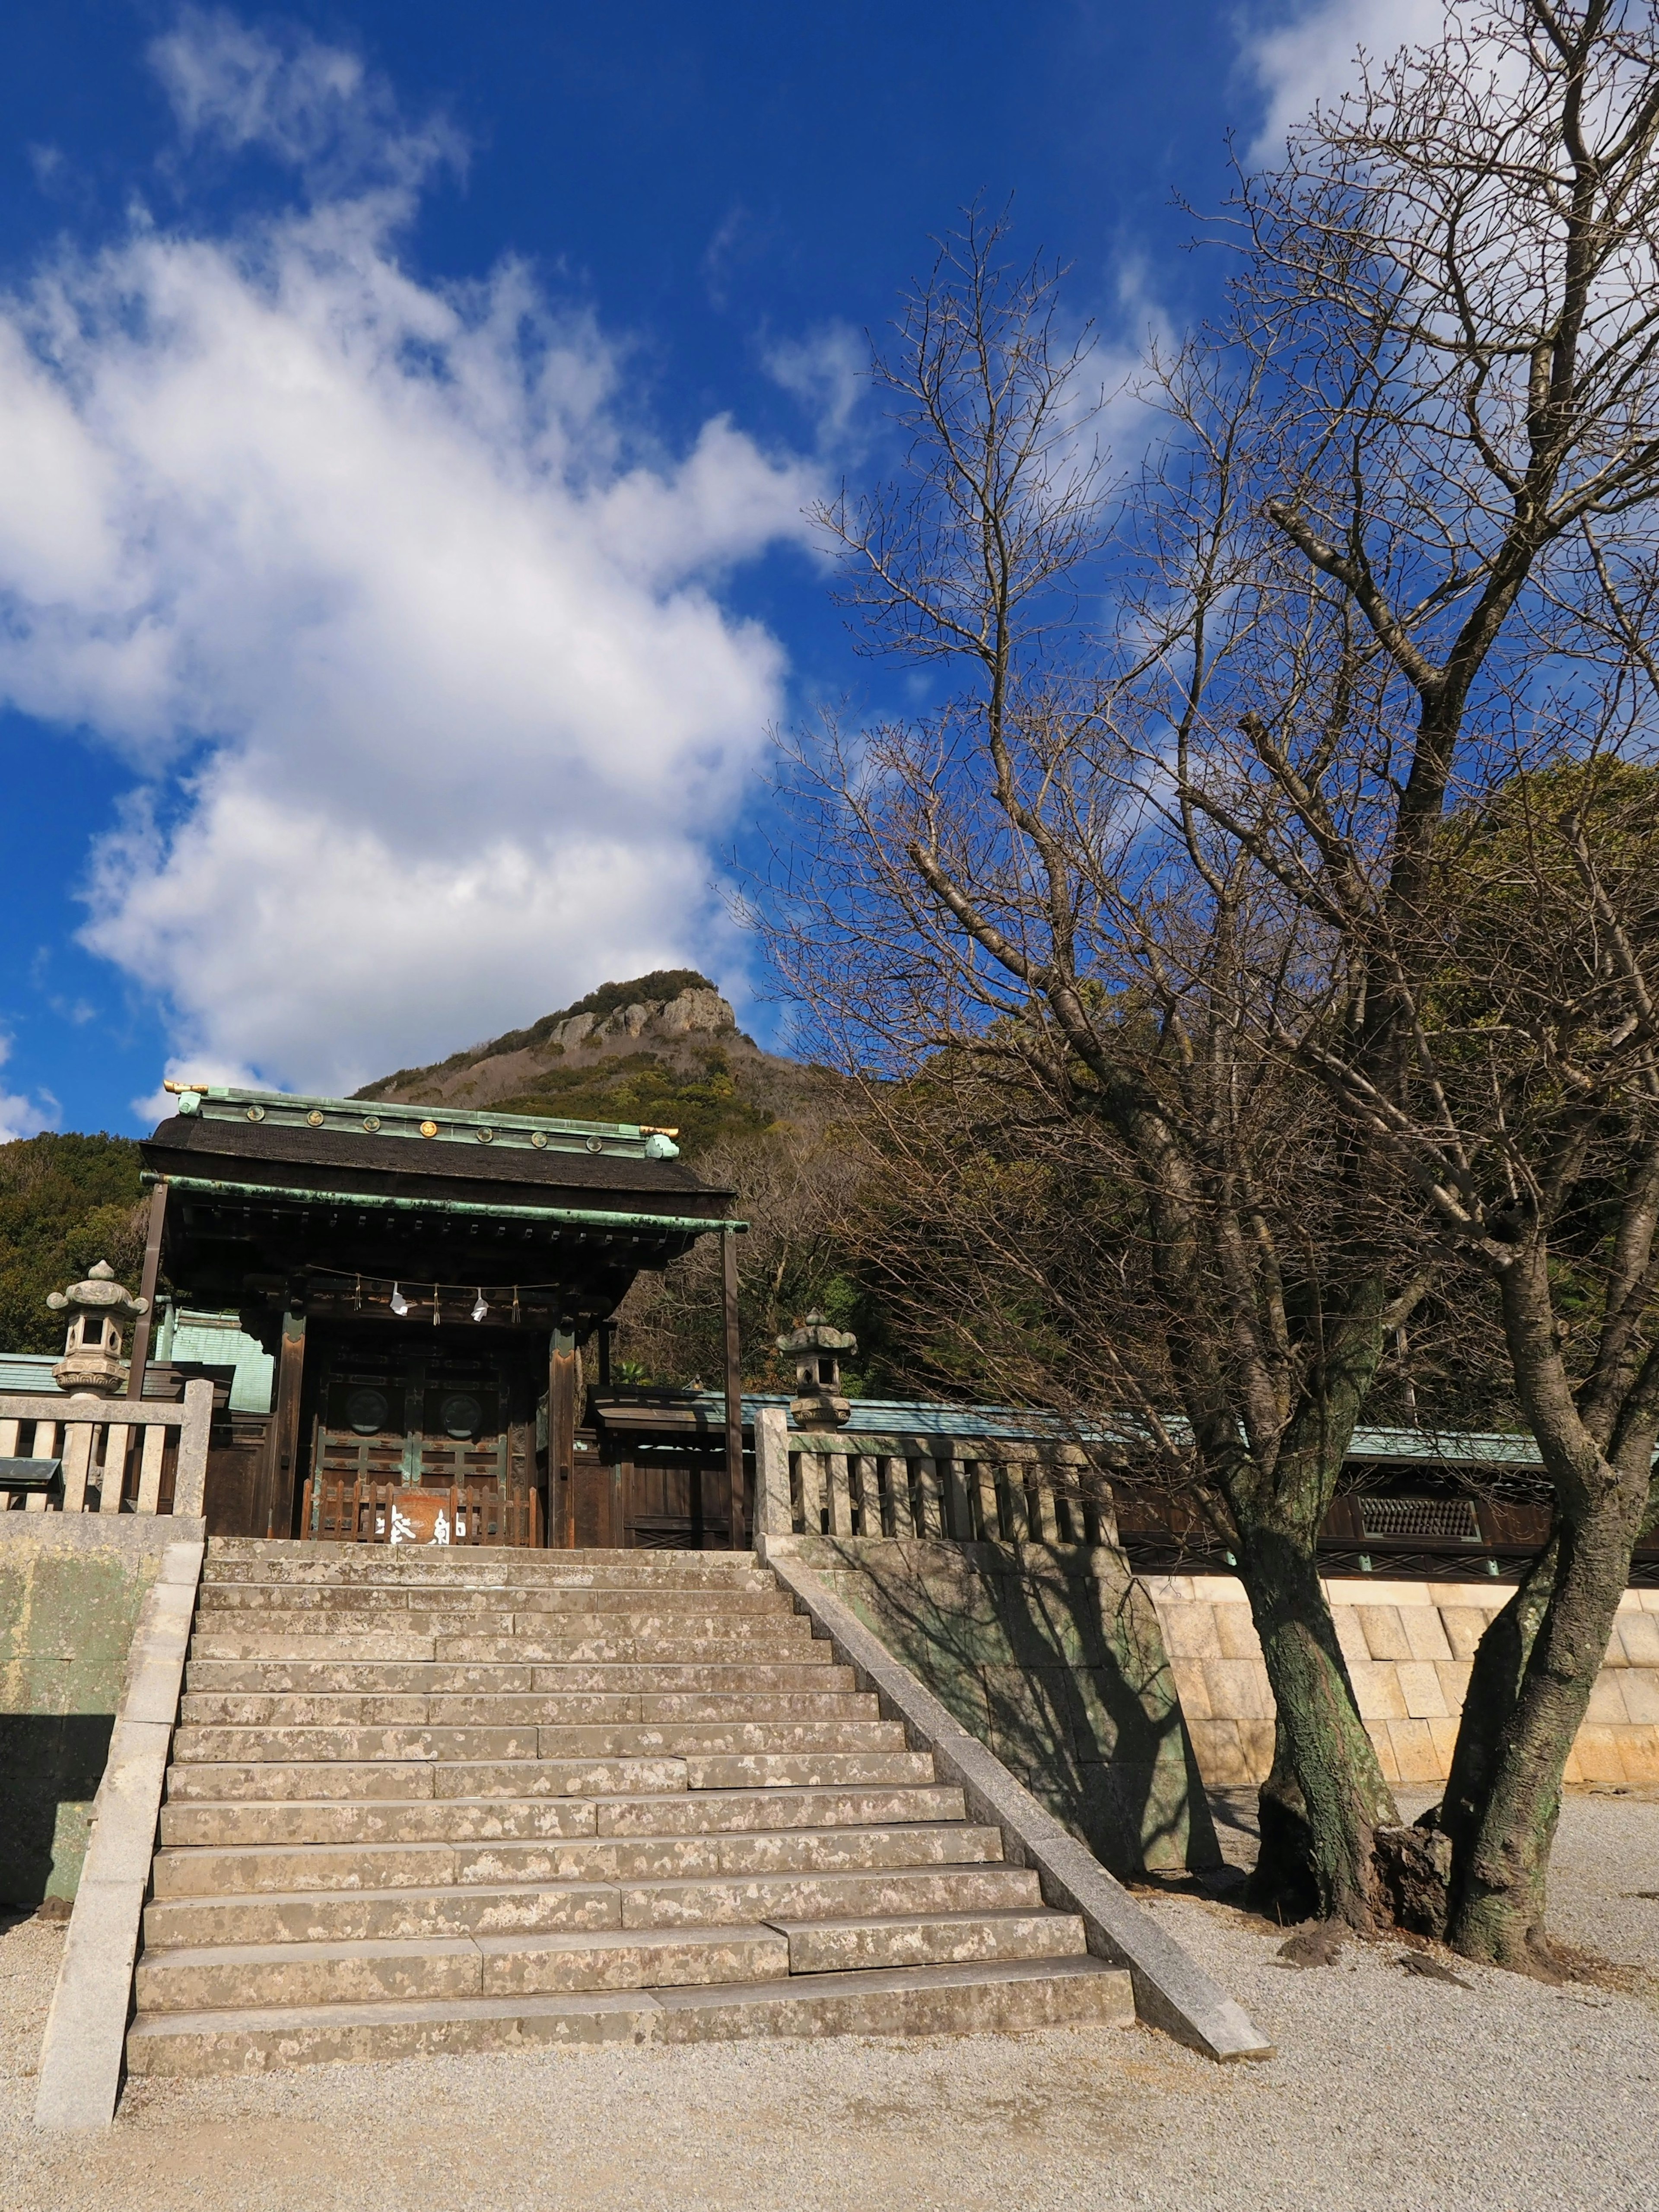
348 1510
86 1455
977 1490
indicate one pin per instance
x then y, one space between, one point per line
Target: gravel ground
1389 2090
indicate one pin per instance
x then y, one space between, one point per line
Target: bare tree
997 889
794 1186
1417 688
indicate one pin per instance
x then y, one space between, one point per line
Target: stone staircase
426 1801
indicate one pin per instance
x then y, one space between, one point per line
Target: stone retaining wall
1051 1655
1408 1646
71 1585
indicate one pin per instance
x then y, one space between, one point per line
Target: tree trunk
1491 1702
1325 1796
1498 1892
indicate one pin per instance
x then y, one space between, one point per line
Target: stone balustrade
849 1482
91 1455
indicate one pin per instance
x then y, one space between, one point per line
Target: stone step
1001 1998
405 1915
528 1776
804 1769
188 1824
865 1894
378 1916
546 1636
655 1628
845 1946
529 1739
341 1694
245 1974
631 1601
448 1801
343 1564
714 1665
257 1868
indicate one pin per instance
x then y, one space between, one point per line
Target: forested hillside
65 1201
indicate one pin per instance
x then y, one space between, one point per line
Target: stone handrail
851 1482
115 1454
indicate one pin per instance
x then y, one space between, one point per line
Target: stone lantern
816 1349
92 1363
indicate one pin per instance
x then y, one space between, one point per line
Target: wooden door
433 1415
673 1496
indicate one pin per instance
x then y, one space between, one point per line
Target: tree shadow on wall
46 1760
1061 1675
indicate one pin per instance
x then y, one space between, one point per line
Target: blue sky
406 413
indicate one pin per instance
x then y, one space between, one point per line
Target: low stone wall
72 1586
1051 1657
1408 1646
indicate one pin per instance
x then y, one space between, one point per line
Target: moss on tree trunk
1325 1796
1503 1834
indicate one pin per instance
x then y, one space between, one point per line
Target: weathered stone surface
929 1938
1053 1658
587 1821
776 1898
714 1811
217 1978
375 1820
1170 1991
561 1778
255 2041
986 1998
80 2054
72 1587
807 1770
646 1959
380 1915
221 1783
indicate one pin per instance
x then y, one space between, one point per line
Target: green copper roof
451 1125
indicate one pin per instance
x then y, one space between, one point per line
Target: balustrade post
773 1507
930 1502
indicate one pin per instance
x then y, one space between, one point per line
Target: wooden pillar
733 1388
140 1360
283 1438
563 1376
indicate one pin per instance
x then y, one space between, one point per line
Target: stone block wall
71 1585
1051 1657
1408 1646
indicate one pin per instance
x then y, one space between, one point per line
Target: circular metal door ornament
370 1122
596 1144
255 1113
428 1128
367 1410
539 1138
314 1118
462 1416
486 1136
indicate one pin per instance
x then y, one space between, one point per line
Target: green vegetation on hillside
655 989
706 1107
65 1201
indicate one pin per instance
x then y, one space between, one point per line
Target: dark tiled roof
249 1151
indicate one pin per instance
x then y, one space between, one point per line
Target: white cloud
309 104
827 371
413 636
20 1117
1305 59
